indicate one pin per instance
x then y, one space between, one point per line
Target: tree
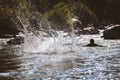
60 16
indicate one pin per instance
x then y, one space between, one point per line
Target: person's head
91 41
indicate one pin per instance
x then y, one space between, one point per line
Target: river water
59 59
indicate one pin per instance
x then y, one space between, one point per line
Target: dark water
8 62
84 63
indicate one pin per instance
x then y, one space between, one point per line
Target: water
52 59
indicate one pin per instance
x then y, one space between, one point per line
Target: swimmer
92 44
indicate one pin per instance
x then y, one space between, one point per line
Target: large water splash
45 40
39 40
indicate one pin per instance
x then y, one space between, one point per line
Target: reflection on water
9 62
84 63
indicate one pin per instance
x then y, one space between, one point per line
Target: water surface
58 59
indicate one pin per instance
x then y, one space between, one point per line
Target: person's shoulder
93 45
96 45
88 45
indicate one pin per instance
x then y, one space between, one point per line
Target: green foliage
13 8
8 7
84 13
42 5
107 11
60 15
60 12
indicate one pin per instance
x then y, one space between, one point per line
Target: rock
8 26
87 31
16 41
5 36
112 32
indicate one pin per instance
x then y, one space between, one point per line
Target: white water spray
73 34
38 43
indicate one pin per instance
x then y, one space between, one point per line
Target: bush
60 16
83 12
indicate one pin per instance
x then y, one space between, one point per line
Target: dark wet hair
92 41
